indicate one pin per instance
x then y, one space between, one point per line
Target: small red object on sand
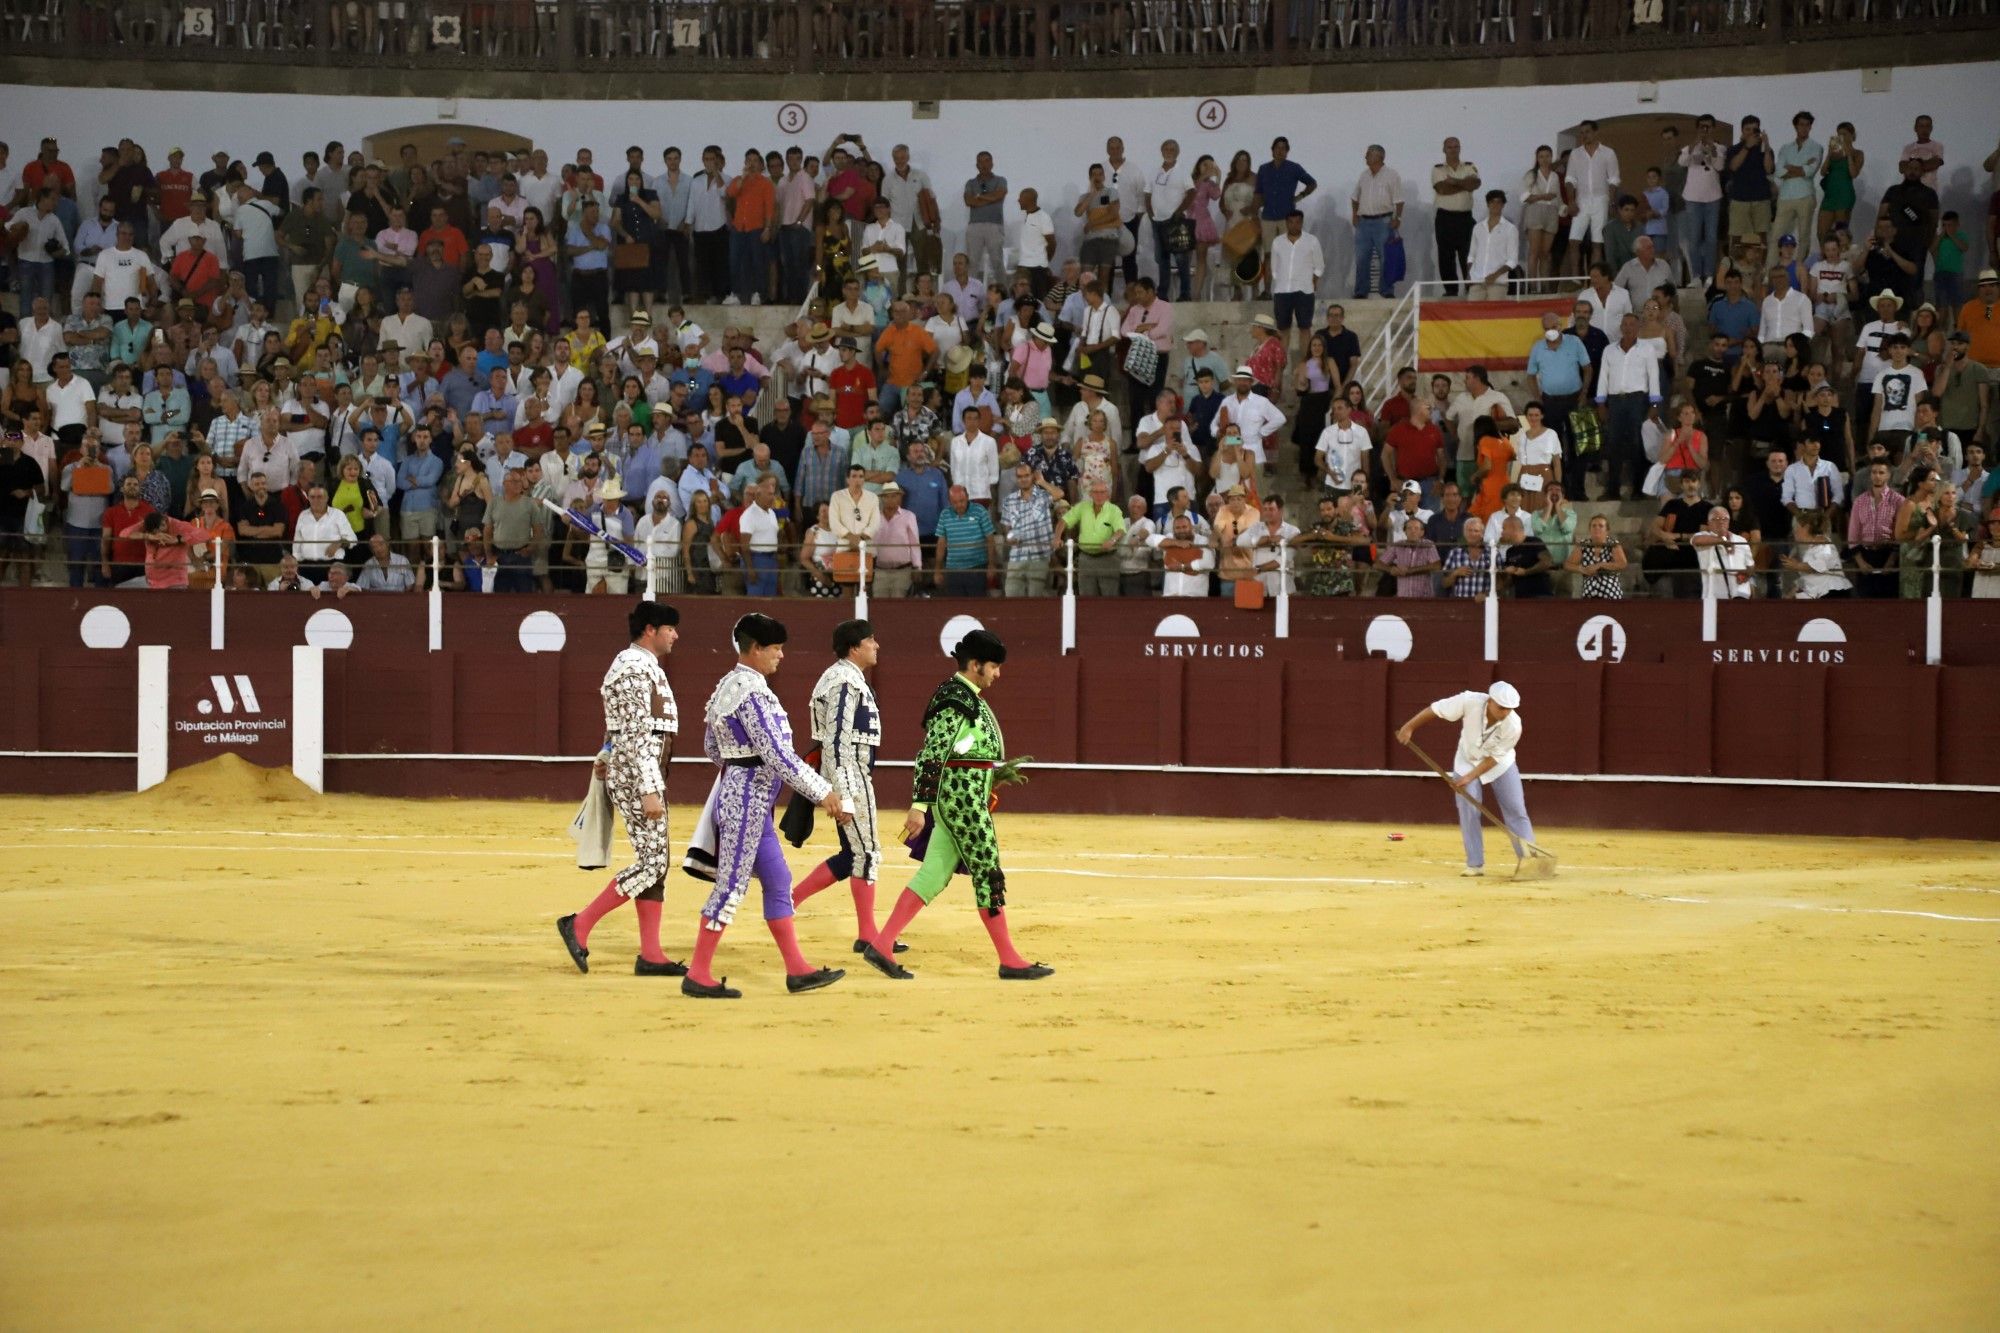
1395 837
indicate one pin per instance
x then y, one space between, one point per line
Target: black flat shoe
1032 972
861 946
566 927
888 967
642 968
721 990
826 976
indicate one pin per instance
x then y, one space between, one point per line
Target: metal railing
806 36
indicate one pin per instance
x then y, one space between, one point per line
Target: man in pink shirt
1149 317
168 541
1871 533
798 194
396 249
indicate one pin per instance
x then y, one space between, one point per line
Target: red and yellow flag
1452 335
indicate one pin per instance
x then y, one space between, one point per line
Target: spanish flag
1452 335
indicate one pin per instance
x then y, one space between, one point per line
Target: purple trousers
747 845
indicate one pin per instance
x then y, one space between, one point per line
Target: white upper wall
1050 144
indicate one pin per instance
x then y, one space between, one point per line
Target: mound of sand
225 782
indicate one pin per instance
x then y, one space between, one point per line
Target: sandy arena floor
336 1072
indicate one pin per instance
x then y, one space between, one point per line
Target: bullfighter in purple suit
748 737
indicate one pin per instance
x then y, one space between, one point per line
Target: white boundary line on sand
1156 769
1071 872
1219 771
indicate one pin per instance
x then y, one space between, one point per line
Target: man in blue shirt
417 478
1278 191
925 488
589 246
1735 316
462 382
497 396
1559 370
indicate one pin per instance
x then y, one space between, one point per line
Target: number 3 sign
791 118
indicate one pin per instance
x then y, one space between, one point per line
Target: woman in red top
1686 449
1267 358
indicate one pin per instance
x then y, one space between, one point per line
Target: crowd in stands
296 378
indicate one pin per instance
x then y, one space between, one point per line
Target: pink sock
907 908
820 878
705 941
594 913
649 929
787 936
864 908
996 926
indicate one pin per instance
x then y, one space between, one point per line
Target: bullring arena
320 1058
296 1036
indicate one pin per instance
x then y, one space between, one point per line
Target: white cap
1504 694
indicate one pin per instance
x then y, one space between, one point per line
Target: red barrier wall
1757 705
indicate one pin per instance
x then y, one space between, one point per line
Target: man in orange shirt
1980 320
444 233
753 225
906 353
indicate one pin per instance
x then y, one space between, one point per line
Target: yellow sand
345 1078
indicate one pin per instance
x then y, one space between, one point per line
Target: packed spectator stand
767 371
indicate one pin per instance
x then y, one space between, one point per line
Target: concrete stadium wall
1756 731
1049 143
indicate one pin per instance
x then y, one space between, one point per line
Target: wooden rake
1539 863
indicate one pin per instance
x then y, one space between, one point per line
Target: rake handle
1478 805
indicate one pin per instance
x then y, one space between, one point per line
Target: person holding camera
40 243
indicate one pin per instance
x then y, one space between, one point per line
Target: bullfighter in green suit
963 756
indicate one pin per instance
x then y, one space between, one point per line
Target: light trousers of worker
1506 789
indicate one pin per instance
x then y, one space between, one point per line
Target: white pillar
1934 609
1069 599
152 739
216 621
436 608
1708 607
861 585
1492 603
1284 628
309 715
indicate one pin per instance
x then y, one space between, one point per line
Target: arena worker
640 720
950 825
1489 731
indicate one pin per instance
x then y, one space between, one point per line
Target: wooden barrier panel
1169 689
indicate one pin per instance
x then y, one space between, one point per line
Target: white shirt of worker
1477 740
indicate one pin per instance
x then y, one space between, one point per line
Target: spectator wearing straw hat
1267 355
1256 416
898 546
1200 356
1979 319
